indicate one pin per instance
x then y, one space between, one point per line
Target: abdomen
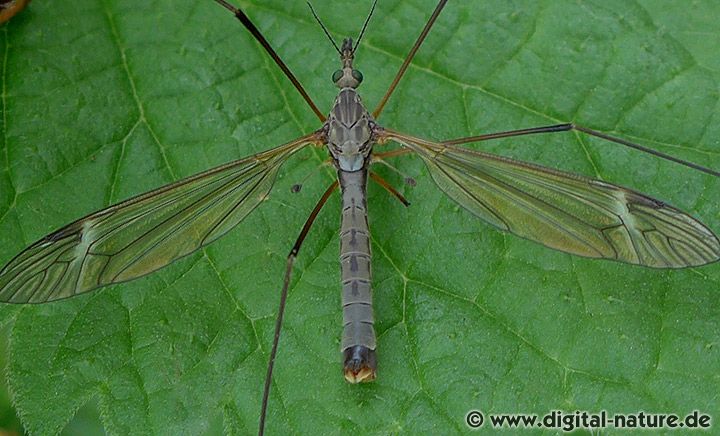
358 340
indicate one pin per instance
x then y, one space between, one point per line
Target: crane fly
563 211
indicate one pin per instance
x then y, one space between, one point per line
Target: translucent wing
567 212
142 234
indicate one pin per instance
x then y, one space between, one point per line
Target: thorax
349 130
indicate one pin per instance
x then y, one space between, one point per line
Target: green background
102 100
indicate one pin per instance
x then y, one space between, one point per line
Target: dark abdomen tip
360 364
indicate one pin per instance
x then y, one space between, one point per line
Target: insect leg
240 15
283 299
571 126
388 187
409 58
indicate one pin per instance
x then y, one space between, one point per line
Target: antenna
324 29
367 20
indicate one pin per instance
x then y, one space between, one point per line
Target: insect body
350 138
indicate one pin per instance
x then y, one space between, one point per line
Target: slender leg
409 58
388 187
240 15
283 299
569 127
510 133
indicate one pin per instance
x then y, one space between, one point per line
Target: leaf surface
103 100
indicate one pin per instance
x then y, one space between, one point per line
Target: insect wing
567 212
142 234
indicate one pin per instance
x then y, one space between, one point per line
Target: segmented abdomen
355 263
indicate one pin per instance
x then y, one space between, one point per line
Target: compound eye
357 75
337 75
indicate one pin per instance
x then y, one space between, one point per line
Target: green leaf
106 99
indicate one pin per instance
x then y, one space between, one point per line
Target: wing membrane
567 212
145 233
